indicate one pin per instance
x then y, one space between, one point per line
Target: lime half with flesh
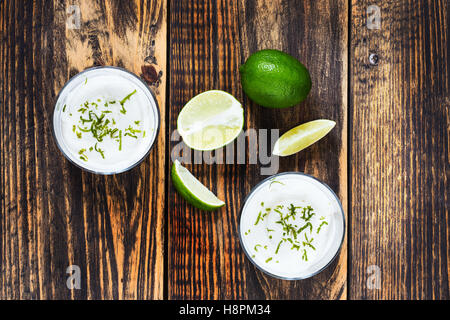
210 120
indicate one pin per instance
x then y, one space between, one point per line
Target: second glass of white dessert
292 226
106 119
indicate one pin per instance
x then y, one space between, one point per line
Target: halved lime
210 120
192 190
302 136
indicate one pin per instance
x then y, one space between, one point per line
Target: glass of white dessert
292 226
106 119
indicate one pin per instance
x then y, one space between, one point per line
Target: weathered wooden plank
209 40
400 152
53 214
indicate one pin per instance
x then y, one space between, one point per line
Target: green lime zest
102 153
308 242
258 218
122 102
275 181
305 255
82 155
120 140
307 213
278 247
321 225
307 225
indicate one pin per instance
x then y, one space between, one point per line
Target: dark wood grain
400 151
209 40
114 228
53 214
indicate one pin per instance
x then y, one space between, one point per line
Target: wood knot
373 59
150 75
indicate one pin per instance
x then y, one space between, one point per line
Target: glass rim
341 209
158 120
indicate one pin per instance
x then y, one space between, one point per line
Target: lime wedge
210 120
302 136
192 190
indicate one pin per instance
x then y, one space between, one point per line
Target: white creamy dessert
106 120
292 226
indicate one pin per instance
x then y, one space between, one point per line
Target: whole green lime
275 79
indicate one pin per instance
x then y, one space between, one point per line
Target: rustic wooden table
132 236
